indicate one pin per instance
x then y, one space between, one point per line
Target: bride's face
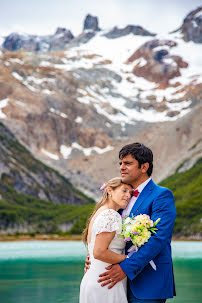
121 195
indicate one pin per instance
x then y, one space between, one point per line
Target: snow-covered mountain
80 96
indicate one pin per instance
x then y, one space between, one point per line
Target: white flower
127 220
129 228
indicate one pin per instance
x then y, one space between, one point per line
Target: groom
146 283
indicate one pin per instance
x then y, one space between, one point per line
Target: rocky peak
153 62
192 26
61 30
58 41
63 34
91 23
15 41
129 29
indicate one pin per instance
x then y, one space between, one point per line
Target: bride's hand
87 264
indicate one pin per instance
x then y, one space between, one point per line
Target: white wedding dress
90 290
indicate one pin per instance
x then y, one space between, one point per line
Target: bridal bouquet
138 229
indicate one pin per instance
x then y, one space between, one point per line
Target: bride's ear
109 191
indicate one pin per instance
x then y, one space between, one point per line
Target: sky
44 16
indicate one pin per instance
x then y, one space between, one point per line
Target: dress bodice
107 221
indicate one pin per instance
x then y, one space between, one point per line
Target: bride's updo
112 183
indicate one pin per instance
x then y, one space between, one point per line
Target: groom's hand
113 275
87 264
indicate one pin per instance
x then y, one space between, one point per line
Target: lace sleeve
108 221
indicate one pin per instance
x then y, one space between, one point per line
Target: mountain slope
33 197
186 187
20 171
171 142
106 89
66 104
23 214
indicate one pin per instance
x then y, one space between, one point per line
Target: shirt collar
142 186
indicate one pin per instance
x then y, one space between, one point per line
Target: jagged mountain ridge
83 100
63 38
190 31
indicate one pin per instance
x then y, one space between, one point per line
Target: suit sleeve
164 208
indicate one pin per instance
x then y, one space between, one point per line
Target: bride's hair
112 183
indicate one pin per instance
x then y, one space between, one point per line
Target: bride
105 244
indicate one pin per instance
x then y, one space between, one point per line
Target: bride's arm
101 249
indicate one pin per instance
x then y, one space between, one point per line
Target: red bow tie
135 193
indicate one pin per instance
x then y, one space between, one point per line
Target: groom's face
130 170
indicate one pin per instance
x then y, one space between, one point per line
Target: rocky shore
40 237
55 237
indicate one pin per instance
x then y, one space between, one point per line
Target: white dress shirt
140 188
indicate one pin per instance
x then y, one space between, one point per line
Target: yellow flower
135 226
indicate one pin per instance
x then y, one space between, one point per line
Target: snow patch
88 151
25 82
17 76
66 151
84 100
47 92
162 47
57 112
20 103
108 124
169 61
199 14
140 62
16 60
50 155
3 103
179 106
38 80
78 119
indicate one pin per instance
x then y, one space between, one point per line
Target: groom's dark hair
140 152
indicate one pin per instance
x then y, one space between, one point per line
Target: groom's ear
145 167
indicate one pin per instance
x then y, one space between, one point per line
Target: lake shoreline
40 237
54 237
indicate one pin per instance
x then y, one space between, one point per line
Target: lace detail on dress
108 221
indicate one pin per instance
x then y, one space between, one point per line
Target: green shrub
187 190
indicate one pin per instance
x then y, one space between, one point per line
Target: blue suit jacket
144 281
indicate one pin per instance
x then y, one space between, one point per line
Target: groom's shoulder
162 190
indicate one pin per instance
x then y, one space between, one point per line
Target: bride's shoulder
107 220
108 215
109 212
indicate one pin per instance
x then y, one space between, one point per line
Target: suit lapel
143 196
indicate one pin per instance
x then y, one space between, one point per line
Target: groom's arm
164 208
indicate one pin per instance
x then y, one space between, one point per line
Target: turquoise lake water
51 271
